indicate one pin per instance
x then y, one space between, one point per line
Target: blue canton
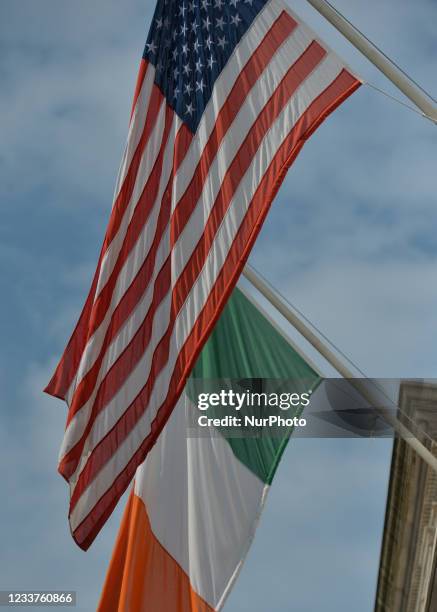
189 44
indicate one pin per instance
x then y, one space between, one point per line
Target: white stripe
136 126
315 84
142 245
289 52
150 154
282 5
202 502
77 425
271 78
109 416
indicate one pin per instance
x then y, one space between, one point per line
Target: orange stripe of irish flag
142 575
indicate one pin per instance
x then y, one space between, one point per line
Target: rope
401 102
340 352
381 52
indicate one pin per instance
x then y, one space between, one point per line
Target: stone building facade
407 579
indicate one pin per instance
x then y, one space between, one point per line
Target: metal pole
373 54
281 306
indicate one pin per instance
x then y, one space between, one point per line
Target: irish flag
196 502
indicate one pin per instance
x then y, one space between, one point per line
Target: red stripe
139 218
333 95
117 372
125 309
125 194
140 80
295 76
280 30
141 214
275 37
67 367
120 371
136 289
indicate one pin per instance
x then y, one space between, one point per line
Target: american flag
227 94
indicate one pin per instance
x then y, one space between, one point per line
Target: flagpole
373 398
378 58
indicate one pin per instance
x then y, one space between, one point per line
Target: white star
182 10
211 62
205 4
234 3
152 47
199 65
184 29
190 109
194 26
218 4
192 7
200 85
220 22
159 24
196 46
249 2
206 23
209 42
236 19
185 49
187 69
222 42
176 72
176 92
175 34
188 89
159 66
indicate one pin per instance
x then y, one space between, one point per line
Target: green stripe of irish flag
246 345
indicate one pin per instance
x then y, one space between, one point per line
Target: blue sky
350 240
